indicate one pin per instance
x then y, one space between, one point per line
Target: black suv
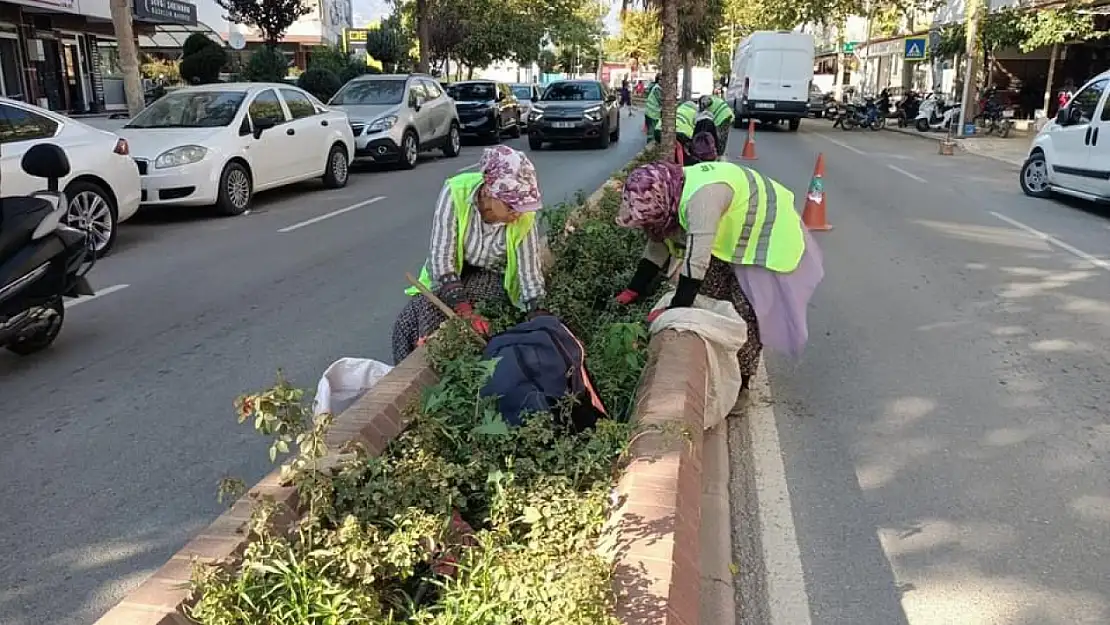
486 109
575 110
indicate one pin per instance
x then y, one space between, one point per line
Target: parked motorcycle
934 114
41 259
995 117
907 108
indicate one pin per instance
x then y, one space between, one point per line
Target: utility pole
972 69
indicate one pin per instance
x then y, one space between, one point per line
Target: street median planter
420 505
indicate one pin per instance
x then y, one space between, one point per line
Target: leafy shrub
266 65
375 540
321 83
202 60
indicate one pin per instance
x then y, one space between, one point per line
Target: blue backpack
540 363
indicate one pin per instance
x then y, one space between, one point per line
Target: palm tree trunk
423 37
668 68
128 55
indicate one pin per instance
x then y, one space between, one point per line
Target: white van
771 75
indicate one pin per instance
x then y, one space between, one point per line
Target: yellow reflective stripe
749 216
763 243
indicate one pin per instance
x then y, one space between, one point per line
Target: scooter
933 114
42 260
907 109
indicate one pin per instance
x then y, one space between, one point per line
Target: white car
1071 154
103 184
218 144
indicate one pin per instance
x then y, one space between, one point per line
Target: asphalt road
115 439
944 438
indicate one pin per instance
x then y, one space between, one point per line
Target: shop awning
173 36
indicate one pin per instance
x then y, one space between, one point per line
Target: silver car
527 94
395 117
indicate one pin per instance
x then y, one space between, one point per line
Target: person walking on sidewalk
485 246
626 96
738 238
722 118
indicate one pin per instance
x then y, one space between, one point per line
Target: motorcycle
907 109
995 117
933 114
42 260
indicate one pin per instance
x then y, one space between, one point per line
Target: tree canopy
271 17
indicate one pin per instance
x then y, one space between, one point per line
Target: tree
999 30
547 61
322 83
128 55
387 44
699 22
640 37
1055 27
267 64
202 59
271 17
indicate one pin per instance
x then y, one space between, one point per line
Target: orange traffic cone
748 154
813 215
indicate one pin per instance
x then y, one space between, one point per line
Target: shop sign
166 11
68 6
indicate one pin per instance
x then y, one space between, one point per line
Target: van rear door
780 76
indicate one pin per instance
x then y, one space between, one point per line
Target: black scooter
41 259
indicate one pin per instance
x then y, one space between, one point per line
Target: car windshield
566 91
190 109
522 92
371 92
471 91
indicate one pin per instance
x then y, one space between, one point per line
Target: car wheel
409 150
339 169
616 134
602 141
1034 176
794 124
91 209
453 146
515 132
236 190
45 336
535 143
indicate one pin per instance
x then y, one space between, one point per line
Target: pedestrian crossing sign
916 48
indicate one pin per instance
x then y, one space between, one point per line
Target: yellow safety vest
760 227
684 117
462 188
654 102
721 111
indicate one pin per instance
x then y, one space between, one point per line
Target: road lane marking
467 168
787 599
1048 238
906 173
108 290
334 213
841 144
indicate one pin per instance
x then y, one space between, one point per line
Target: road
944 439
116 438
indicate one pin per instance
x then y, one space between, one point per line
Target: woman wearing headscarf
485 247
738 238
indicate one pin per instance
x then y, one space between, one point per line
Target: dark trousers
651 123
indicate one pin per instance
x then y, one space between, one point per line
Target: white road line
467 168
841 144
334 213
108 290
787 600
906 173
1048 238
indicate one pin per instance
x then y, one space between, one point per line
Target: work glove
479 323
627 296
646 271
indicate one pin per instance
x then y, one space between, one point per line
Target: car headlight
184 155
593 114
536 112
382 123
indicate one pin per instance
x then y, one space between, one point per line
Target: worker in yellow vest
485 246
653 105
722 115
738 239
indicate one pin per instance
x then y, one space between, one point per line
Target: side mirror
46 160
263 123
1075 115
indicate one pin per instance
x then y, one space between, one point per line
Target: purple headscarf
650 199
509 176
704 147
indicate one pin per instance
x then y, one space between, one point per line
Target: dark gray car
575 110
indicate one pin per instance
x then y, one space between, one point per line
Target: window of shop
10 84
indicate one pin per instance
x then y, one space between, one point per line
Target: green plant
321 83
202 59
266 64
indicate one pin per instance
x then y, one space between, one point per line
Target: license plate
1007 113
562 124
764 105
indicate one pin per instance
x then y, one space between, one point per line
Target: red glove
627 296
478 322
653 315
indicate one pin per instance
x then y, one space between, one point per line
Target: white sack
344 381
724 333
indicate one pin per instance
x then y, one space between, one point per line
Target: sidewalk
1011 150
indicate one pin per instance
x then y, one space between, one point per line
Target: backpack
540 363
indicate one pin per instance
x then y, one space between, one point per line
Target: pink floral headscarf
509 176
650 199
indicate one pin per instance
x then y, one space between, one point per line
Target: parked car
102 188
575 110
395 117
219 144
816 103
486 109
1071 155
527 94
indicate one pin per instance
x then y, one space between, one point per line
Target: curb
654 534
961 143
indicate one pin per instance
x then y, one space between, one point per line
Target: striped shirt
703 213
483 246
